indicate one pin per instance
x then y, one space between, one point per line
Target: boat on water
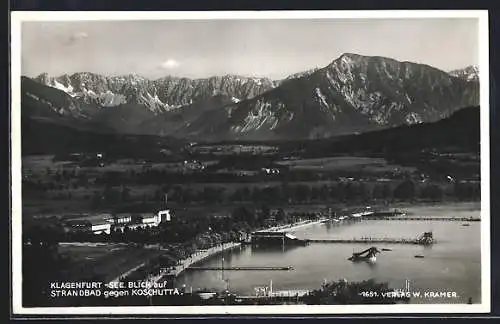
369 255
361 214
466 224
206 293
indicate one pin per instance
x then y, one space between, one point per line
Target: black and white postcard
265 162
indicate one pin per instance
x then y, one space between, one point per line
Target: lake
452 264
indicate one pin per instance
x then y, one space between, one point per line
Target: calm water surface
452 264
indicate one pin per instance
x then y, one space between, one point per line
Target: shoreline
200 256
205 254
291 227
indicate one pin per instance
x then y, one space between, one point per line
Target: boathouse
275 238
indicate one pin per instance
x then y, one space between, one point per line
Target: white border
19 16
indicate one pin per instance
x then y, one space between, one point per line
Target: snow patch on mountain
257 118
60 86
322 98
469 73
413 118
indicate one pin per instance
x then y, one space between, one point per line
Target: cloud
76 37
169 64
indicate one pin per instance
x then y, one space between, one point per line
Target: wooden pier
372 241
450 219
248 268
425 239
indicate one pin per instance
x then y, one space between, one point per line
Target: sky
272 48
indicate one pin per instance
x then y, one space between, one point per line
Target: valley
134 173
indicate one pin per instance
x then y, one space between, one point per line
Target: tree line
285 193
362 192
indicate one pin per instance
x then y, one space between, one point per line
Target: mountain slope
40 100
353 94
190 121
44 136
460 132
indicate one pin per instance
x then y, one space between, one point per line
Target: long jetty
372 241
240 268
456 219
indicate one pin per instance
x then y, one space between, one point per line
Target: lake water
453 264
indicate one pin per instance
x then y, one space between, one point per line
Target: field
344 163
40 163
219 177
104 261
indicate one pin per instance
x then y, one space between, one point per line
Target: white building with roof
99 228
156 219
96 226
104 222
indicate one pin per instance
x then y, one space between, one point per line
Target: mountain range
352 94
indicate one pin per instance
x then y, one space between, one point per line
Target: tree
341 191
245 193
110 194
302 192
42 264
315 193
324 193
125 194
270 194
378 191
237 195
364 191
126 233
433 192
342 293
242 214
265 213
405 190
467 191
256 194
386 191
280 215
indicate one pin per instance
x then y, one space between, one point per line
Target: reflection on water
273 249
368 263
453 264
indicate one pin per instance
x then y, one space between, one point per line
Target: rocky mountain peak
469 73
